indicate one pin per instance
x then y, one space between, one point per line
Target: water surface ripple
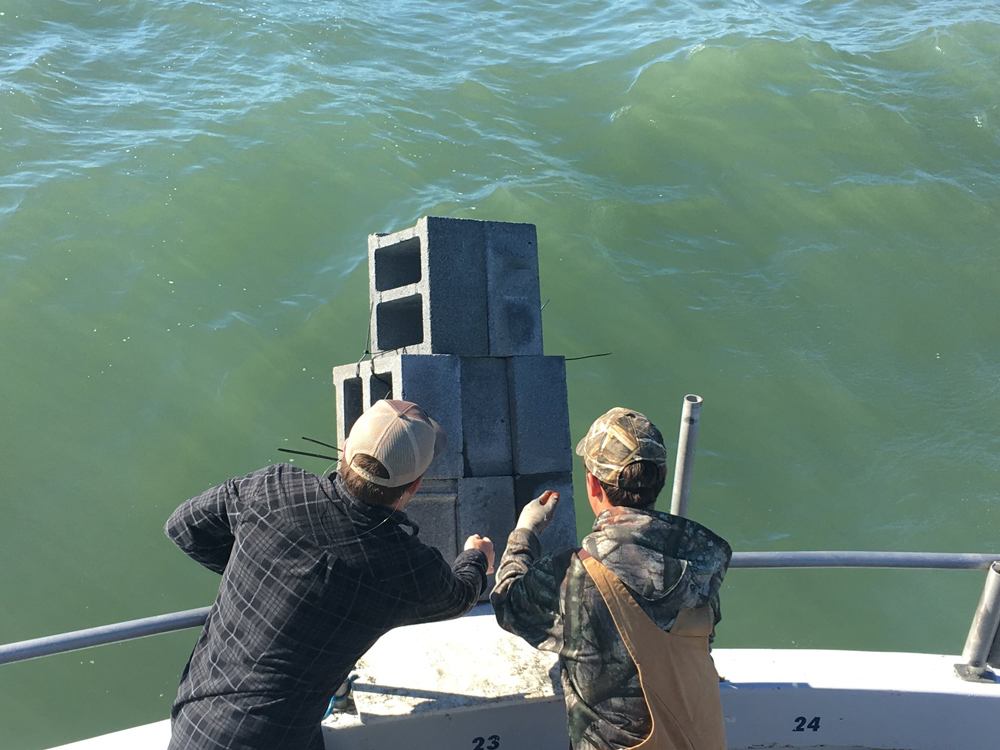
790 208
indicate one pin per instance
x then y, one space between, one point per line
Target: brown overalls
676 671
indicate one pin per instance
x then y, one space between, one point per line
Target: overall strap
698 622
632 623
676 672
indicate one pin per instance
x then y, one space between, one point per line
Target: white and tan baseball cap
398 434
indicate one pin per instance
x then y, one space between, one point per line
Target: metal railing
912 560
102 635
981 637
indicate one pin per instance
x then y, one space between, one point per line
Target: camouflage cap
620 438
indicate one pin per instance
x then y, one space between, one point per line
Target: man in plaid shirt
314 569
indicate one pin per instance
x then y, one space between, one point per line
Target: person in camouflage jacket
668 563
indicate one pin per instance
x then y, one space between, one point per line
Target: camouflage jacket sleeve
528 592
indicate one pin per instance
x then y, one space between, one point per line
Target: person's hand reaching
483 544
537 515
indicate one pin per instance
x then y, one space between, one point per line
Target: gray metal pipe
194 618
985 623
102 635
843 559
993 659
684 467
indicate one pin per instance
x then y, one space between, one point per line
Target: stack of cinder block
456 327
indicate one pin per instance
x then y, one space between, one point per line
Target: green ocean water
791 209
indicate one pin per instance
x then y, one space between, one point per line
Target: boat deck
466 684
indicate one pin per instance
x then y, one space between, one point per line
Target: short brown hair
639 484
369 492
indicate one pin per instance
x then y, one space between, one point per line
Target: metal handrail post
684 467
985 624
993 659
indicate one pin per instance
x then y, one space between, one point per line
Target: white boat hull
467 685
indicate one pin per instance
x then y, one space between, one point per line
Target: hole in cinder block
400 323
353 402
397 265
380 386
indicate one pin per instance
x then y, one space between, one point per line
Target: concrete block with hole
434 381
347 383
428 288
456 286
539 415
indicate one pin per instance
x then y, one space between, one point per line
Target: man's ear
412 490
595 494
594 488
408 494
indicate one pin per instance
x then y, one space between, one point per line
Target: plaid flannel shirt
668 563
311 577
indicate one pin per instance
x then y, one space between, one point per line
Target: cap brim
579 447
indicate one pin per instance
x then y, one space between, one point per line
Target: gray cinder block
433 509
513 296
347 382
561 533
434 382
539 415
485 417
428 288
486 507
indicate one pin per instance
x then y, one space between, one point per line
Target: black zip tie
303 453
320 442
589 356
